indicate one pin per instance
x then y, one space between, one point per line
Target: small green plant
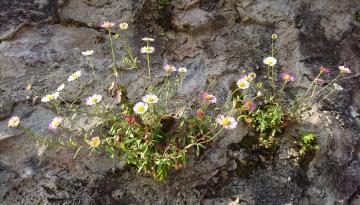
269 111
307 143
357 16
164 2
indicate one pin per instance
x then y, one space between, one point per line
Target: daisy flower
319 80
14 122
251 76
338 87
150 99
94 142
50 97
344 69
208 98
182 70
250 106
324 70
92 100
107 25
74 76
140 108
270 61
169 68
147 49
123 26
55 123
226 121
274 36
243 84
147 39
28 87
61 87
286 77
87 52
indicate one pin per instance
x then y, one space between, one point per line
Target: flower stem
222 128
312 83
148 65
337 77
112 53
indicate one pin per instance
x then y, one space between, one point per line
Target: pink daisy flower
208 98
286 77
250 106
227 122
55 123
324 69
107 25
169 68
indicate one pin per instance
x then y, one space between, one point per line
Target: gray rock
41 43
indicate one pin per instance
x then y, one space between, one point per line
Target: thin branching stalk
331 82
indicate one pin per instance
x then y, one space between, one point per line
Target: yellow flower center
94 142
269 62
150 99
141 109
93 100
242 84
226 122
287 77
50 97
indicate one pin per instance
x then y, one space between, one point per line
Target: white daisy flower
123 26
344 69
61 87
270 61
92 100
243 84
50 97
14 122
182 70
147 49
87 52
226 121
74 76
147 39
140 108
150 99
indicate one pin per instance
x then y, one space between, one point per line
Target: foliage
307 143
357 16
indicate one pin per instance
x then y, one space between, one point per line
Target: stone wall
41 43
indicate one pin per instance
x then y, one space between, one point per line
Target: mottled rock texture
41 43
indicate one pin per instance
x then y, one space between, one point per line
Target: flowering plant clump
269 111
147 132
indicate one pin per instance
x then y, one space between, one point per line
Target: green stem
312 83
112 53
148 65
93 69
282 89
222 128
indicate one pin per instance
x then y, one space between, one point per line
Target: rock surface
41 43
